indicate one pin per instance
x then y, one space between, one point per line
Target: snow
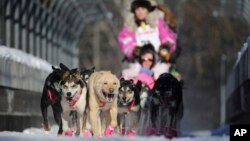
36 134
242 51
19 56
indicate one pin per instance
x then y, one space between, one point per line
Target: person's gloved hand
164 52
136 51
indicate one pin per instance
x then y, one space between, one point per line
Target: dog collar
131 104
75 98
102 104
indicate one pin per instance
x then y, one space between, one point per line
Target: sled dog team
95 103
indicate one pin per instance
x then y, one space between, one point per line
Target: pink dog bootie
169 133
151 131
123 131
45 126
87 134
70 132
132 134
109 131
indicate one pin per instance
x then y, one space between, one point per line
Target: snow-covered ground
35 134
24 58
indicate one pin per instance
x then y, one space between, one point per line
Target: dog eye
105 83
73 86
129 91
65 86
114 83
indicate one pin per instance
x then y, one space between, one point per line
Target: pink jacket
146 79
127 38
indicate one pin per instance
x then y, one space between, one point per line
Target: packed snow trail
36 134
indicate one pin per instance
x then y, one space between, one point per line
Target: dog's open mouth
124 103
109 96
69 98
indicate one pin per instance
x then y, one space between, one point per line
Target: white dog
74 92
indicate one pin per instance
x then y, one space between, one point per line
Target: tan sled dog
103 92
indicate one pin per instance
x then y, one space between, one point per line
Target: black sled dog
51 95
166 107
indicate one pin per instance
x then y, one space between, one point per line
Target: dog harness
102 104
53 98
74 99
131 105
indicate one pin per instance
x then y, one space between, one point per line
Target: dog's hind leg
57 111
60 130
44 109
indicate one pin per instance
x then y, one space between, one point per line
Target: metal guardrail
238 87
48 29
241 69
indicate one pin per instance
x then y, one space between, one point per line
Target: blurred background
35 34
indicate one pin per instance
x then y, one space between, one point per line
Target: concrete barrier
238 88
21 84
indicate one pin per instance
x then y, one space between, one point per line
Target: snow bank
24 58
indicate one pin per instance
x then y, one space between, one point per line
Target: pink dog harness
53 98
75 98
131 105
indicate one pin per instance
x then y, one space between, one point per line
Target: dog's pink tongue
109 131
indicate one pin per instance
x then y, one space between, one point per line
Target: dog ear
93 69
53 67
63 67
122 80
131 81
75 70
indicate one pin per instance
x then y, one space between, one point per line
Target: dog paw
109 131
151 131
169 133
123 131
45 126
87 134
70 132
132 134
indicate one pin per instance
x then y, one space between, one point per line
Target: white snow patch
19 56
36 134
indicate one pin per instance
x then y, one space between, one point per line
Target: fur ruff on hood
152 19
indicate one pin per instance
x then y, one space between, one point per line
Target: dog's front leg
111 121
65 119
79 124
133 124
93 121
121 123
113 115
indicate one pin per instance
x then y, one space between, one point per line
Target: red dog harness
52 97
131 104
